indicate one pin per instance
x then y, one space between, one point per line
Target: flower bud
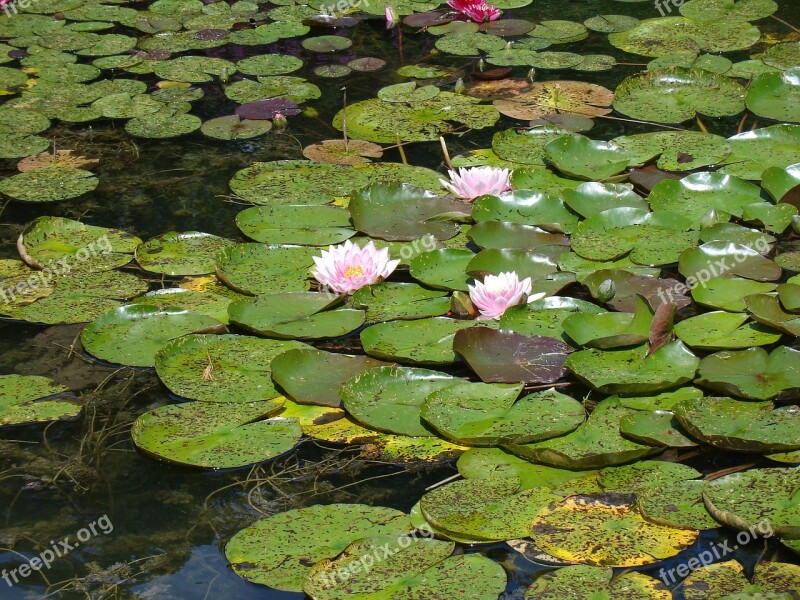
606 291
279 122
460 87
462 307
710 219
796 223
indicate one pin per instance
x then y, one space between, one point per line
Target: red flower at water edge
477 10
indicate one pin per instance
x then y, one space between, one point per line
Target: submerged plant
498 293
349 267
478 181
477 10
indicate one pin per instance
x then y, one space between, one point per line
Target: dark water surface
170 524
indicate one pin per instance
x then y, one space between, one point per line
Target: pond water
161 528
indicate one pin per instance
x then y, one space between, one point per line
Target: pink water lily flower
348 267
497 293
477 181
391 17
477 10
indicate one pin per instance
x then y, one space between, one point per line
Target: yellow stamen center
353 271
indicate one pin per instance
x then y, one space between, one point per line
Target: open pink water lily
348 267
477 181
477 10
497 293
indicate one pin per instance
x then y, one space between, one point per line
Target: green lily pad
775 95
767 309
20 145
443 269
753 373
194 69
264 65
638 476
132 335
480 414
215 436
755 151
422 341
545 317
605 530
676 504
163 125
524 146
526 207
485 463
305 225
728 292
261 269
416 567
610 329
712 259
592 197
389 398
221 368
278 552
499 235
740 426
677 95
718 10
727 580
405 212
211 303
771 217
25 400
721 330
384 122
627 286
781 181
312 376
327 43
187 253
49 184
754 497
789 293
595 443
407 301
295 315
407 92
634 371
582 158
233 127
676 150
490 509
63 246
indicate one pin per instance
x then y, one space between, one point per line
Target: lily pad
261 269
753 373
610 329
215 436
579 157
775 95
558 97
49 184
526 207
767 309
605 530
422 341
443 269
676 504
584 581
132 335
306 225
187 253
311 376
26 399
233 127
721 330
389 398
389 301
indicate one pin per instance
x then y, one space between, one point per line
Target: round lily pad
215 436
132 335
187 253
754 497
220 368
261 269
676 504
389 398
584 581
163 125
721 330
775 95
753 373
306 225
24 399
422 341
233 127
49 184
279 552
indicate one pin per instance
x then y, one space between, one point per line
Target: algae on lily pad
221 368
26 399
676 504
421 341
262 269
558 97
279 552
605 530
753 373
581 581
215 436
408 301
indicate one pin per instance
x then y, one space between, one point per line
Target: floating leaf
24 399
753 373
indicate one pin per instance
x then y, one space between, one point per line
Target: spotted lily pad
187 253
526 207
389 398
775 95
261 269
422 341
389 301
49 184
233 127
215 436
26 399
605 530
721 330
480 414
132 335
589 582
306 225
579 157
753 373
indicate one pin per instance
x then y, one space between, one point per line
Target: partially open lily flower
477 10
477 181
391 17
349 267
497 293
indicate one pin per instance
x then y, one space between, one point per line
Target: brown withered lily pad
57 158
343 152
553 97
